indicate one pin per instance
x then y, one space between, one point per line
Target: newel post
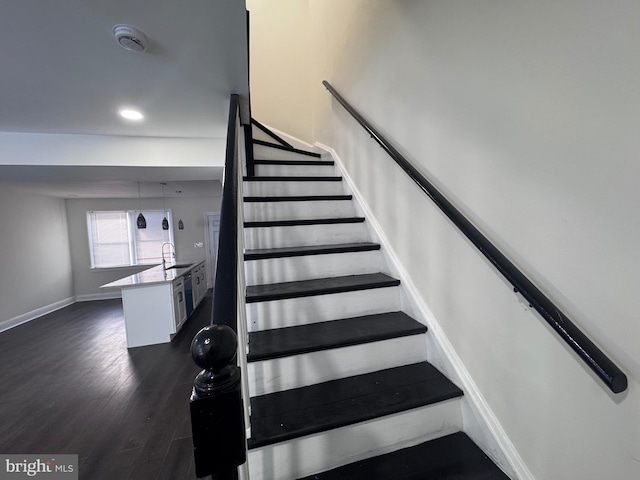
217 415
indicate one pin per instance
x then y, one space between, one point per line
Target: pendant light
141 222
165 222
180 224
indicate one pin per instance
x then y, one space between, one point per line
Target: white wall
35 263
525 113
276 79
109 150
87 281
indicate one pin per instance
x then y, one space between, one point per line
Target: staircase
338 375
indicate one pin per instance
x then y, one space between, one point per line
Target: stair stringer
296 142
479 421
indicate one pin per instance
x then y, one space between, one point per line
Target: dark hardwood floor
70 385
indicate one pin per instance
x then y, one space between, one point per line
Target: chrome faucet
164 262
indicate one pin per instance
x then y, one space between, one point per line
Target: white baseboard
39 312
33 314
480 422
99 296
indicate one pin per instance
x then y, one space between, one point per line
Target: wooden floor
70 385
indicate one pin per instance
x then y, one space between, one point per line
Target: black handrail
216 406
248 133
226 283
248 147
602 365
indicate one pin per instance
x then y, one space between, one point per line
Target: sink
179 265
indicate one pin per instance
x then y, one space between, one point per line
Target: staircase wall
525 114
285 79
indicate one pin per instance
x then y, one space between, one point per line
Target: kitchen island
158 301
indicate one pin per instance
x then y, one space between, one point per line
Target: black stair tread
305 221
282 342
318 286
281 416
299 198
453 457
263 253
292 178
269 161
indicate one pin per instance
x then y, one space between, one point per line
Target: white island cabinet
199 283
154 302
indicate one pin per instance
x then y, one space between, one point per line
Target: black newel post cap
214 350
214 347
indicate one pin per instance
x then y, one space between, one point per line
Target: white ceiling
62 71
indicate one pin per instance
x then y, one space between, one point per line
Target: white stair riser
295 170
258 211
290 269
326 450
262 152
296 371
321 308
304 235
284 188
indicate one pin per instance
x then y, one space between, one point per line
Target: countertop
154 275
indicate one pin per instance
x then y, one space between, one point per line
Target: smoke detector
130 38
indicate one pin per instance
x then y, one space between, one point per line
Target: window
115 241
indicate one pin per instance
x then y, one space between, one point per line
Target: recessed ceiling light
130 114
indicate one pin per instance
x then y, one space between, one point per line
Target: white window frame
131 216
